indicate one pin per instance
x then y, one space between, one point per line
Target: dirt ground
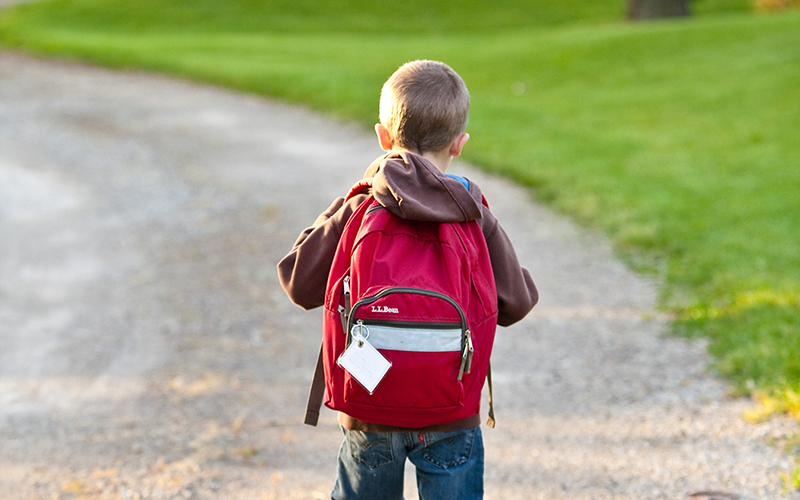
148 351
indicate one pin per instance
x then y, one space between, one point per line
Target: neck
440 159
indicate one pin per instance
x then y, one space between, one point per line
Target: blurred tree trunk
651 9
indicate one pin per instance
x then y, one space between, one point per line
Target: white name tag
364 363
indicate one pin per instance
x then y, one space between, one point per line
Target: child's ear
384 139
458 144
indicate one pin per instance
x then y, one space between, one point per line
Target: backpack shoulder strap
315 394
491 421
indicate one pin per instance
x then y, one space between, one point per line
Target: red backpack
423 295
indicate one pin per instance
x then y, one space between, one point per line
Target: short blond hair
424 106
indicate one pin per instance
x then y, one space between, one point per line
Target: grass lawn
680 139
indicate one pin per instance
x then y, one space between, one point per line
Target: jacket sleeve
516 292
303 273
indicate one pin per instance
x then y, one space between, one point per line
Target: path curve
147 350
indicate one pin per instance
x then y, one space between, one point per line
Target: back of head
424 106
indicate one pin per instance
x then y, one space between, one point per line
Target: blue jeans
449 465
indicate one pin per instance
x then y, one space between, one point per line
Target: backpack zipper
467 348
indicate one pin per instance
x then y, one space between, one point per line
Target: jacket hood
411 187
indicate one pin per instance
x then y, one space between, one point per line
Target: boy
424 107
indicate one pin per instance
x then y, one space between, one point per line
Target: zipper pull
466 356
344 309
470 352
346 290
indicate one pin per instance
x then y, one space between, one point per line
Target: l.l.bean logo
385 309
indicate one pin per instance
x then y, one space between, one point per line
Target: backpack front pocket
428 357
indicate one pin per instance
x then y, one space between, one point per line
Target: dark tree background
651 9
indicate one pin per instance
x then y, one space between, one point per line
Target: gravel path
147 350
